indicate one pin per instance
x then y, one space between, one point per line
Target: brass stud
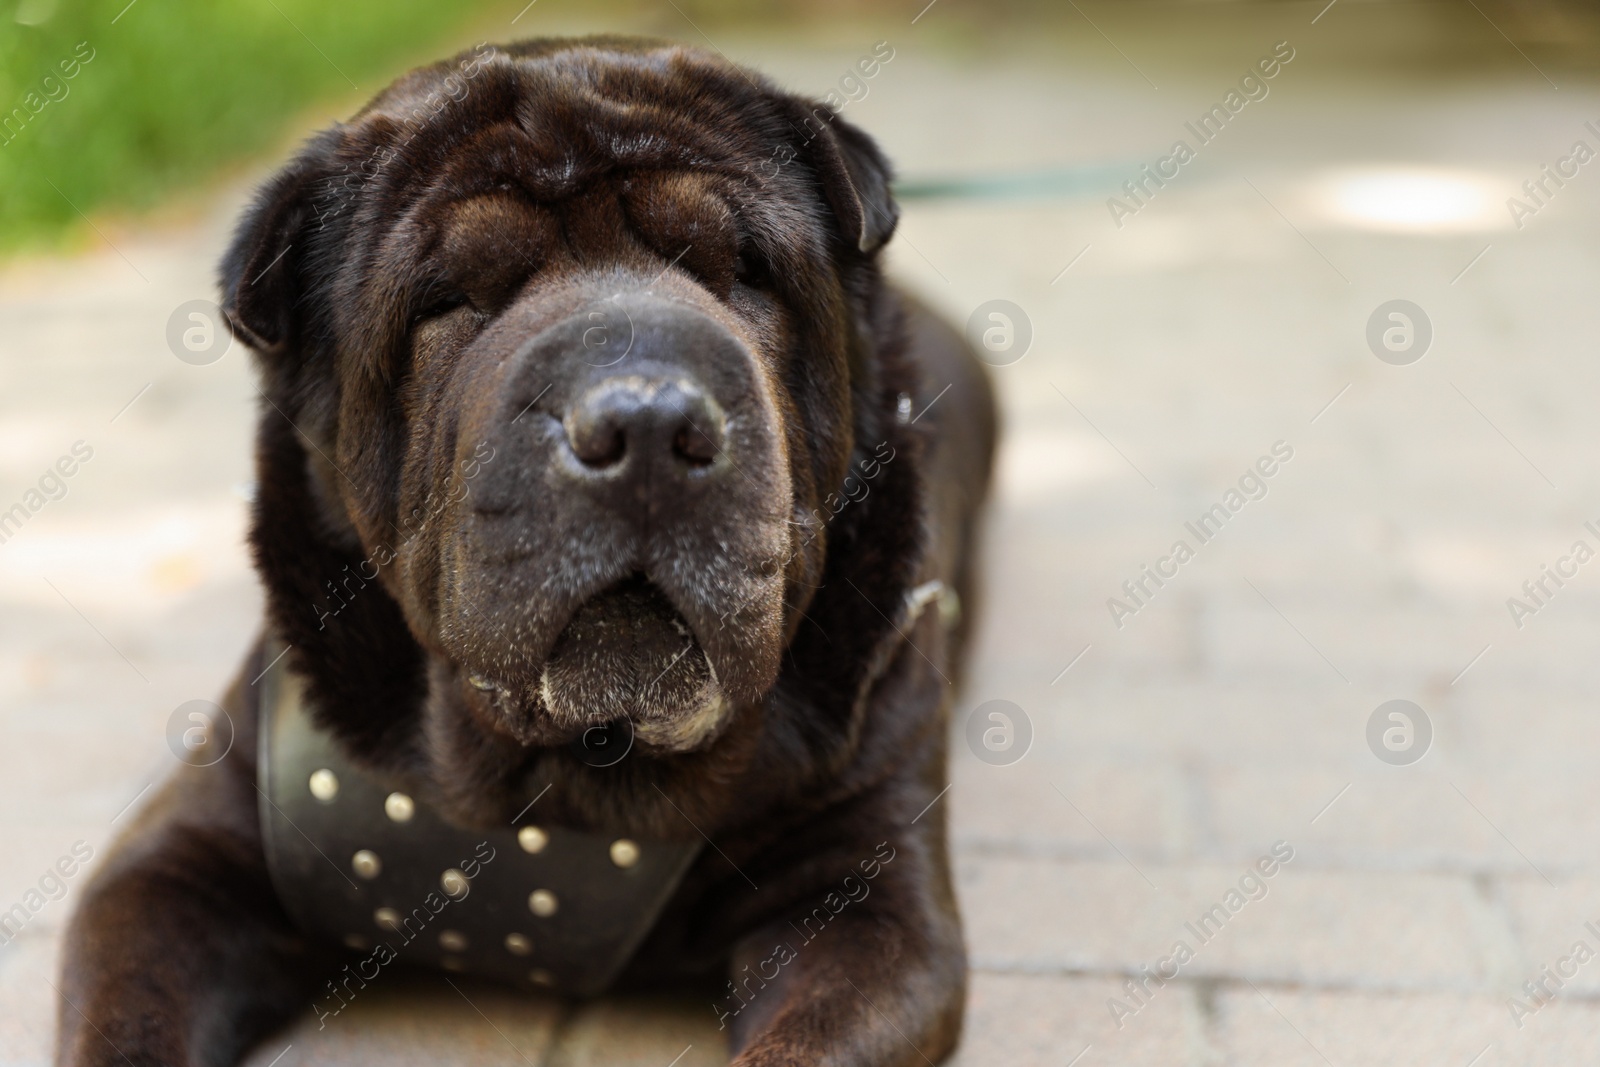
532 839
455 884
366 864
387 918
453 941
452 963
540 976
399 807
518 944
355 942
324 785
624 853
542 903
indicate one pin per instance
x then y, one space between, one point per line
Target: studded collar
358 860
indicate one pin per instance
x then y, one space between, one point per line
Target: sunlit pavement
1223 325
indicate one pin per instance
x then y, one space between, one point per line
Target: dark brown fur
559 171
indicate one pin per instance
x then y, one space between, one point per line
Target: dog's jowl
616 520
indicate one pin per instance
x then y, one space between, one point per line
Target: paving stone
641 1032
1029 806
1549 922
1418 818
28 865
27 1024
1318 927
1284 1027
1030 1020
417 1022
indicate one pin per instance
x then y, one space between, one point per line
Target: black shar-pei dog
615 519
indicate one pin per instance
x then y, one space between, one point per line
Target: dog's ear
855 175
262 272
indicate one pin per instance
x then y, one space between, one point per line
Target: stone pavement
1227 714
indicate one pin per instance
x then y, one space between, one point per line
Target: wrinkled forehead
500 143
488 169
552 124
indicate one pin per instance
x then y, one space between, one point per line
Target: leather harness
361 860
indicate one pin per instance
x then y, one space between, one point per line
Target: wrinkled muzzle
622 555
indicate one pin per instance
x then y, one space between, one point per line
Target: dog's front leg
880 982
179 954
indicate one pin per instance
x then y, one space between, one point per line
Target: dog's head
564 346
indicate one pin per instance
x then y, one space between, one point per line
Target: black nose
635 424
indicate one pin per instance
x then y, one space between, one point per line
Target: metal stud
366 864
455 884
387 918
399 807
532 839
324 785
453 941
518 944
355 942
542 903
540 976
452 963
624 853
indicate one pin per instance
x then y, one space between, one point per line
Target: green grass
173 90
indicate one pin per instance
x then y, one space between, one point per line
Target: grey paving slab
1284 1027
1338 929
1046 1020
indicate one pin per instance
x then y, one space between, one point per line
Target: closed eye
439 302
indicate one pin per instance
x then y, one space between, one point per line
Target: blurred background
1154 346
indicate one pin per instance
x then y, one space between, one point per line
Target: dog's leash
1022 185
